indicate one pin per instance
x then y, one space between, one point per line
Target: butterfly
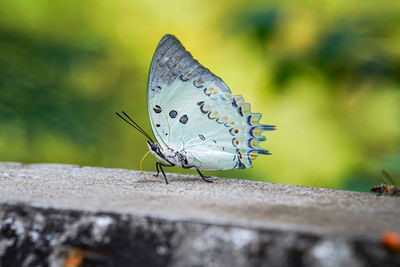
196 120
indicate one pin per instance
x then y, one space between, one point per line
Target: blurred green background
327 74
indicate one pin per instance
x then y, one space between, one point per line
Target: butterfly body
170 156
197 122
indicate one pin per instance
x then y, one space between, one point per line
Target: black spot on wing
233 142
157 109
240 111
158 88
217 120
211 118
158 125
205 91
233 131
173 114
201 104
202 137
183 119
241 165
183 78
198 83
234 104
249 120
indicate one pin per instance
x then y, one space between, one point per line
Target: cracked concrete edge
31 236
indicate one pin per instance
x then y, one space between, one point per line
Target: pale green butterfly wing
234 129
193 110
171 62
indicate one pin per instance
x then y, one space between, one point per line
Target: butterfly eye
153 146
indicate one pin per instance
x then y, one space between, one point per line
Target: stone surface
119 220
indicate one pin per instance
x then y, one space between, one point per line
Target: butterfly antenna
135 126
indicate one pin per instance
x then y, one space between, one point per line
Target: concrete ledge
119 220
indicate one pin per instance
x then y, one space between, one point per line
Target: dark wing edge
171 60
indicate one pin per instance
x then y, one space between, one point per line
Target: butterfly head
152 146
156 149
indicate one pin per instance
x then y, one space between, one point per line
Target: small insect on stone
196 120
390 188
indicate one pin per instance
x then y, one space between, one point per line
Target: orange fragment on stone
391 240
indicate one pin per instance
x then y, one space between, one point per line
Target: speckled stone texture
117 219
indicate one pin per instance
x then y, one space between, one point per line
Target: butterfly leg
204 177
159 166
158 170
